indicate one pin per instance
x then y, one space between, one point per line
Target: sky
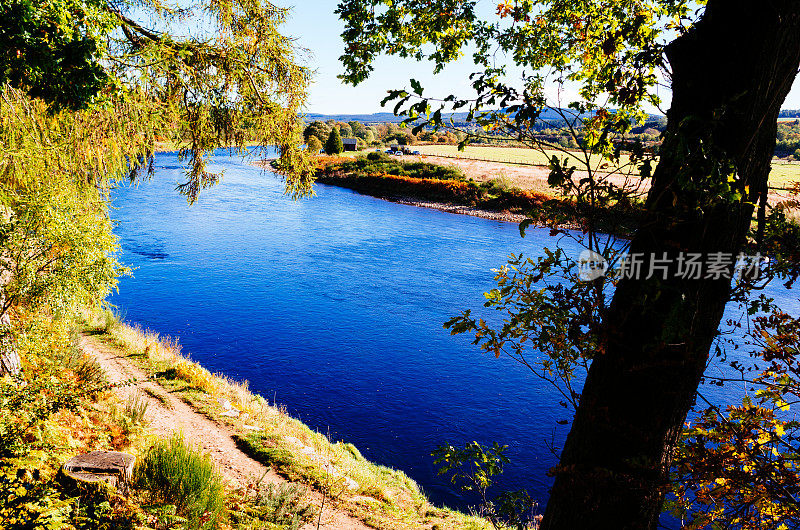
316 27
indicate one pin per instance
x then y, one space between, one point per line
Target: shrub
173 472
25 405
27 500
379 156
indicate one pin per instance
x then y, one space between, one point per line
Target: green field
783 174
508 155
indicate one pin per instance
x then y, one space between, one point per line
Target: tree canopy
88 91
234 80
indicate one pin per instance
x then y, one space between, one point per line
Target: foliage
28 500
334 145
738 465
473 469
314 145
613 48
172 472
56 61
234 80
319 130
381 163
788 138
59 378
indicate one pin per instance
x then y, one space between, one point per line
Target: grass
272 506
507 155
784 174
132 416
174 473
382 497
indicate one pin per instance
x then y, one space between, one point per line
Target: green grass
274 506
507 155
784 175
173 472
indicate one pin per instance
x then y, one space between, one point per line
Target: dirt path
169 414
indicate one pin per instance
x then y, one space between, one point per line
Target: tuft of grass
173 472
135 410
272 506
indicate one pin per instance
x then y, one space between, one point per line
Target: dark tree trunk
9 356
730 76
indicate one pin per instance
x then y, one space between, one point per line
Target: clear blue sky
317 28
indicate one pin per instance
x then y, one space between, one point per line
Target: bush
29 501
380 163
24 405
174 473
379 156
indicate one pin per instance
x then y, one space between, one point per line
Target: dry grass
380 496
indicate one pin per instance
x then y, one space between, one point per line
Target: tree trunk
9 356
730 76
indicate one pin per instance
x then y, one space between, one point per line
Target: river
333 305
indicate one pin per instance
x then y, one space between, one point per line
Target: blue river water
333 305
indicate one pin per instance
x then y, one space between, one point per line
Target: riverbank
506 217
254 439
445 188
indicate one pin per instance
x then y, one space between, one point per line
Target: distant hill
388 117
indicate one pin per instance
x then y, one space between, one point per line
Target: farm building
350 144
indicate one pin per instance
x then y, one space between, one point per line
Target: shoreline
460 209
506 217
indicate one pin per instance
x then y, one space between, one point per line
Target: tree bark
730 76
10 362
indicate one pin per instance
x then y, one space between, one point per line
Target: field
507 155
783 174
